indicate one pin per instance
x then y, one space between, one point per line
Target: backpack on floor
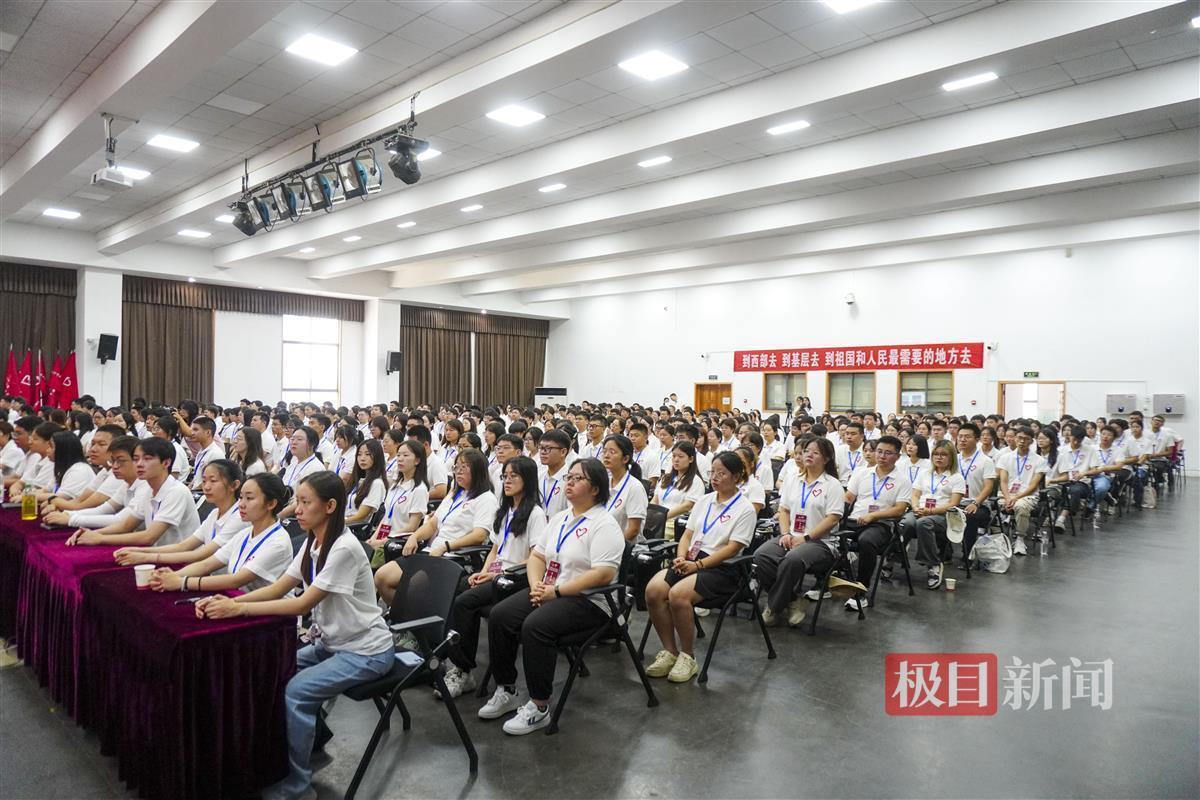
992 552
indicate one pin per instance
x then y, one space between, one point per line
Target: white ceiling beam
913 57
1133 199
1128 160
941 138
450 93
1165 224
171 46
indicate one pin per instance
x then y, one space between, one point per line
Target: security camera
991 345
849 298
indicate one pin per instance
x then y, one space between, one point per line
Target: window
923 392
311 359
780 388
851 391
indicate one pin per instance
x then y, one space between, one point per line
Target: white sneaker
502 702
529 718
815 595
1061 523
661 667
852 604
684 670
1096 519
702 612
797 611
768 617
1019 547
457 682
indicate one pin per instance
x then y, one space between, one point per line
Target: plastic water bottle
28 504
1042 545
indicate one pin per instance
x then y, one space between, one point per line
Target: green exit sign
1032 374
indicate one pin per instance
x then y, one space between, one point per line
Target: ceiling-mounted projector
111 178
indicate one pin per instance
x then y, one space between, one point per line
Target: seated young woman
680 487
721 524
346 439
304 461
520 521
115 493
463 519
810 509
937 489
255 557
627 493
749 485
391 442
221 483
406 500
72 475
582 549
351 642
102 483
248 453
368 483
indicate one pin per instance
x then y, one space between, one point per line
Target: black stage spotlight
243 218
403 163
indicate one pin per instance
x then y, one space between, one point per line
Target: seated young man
877 497
204 433
117 491
38 470
103 484
161 513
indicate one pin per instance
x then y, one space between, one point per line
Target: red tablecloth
49 606
192 709
13 535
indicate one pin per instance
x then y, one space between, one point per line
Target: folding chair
363 530
422 606
745 593
841 567
894 547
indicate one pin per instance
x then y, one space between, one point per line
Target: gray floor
810 723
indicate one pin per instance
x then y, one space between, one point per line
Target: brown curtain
181 294
446 319
37 310
507 368
166 353
437 366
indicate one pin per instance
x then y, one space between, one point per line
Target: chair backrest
427 588
204 508
776 468
655 526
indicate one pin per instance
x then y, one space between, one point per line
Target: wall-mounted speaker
106 350
395 360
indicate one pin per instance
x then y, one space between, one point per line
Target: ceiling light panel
173 143
194 234
846 6
788 127
653 65
654 162
974 80
517 116
60 213
319 49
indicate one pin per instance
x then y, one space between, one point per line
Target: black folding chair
422 607
842 568
895 547
363 530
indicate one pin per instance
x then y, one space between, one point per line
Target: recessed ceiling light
351 238
428 154
788 127
1196 22
483 311
320 49
225 218
407 224
846 6
654 162
653 65
517 116
470 208
133 173
308 249
554 187
974 80
194 234
191 280
173 143
60 213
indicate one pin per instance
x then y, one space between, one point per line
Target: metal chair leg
472 756
712 643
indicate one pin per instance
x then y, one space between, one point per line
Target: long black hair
421 470
328 486
626 447
254 449
272 487
480 480
684 483
67 453
525 468
361 480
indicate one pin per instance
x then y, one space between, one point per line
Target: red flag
25 379
68 387
12 373
52 394
39 383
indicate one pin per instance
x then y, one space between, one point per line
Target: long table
191 709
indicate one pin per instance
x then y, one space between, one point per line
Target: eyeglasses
886 454
576 479
546 448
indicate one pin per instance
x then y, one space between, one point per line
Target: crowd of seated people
552 500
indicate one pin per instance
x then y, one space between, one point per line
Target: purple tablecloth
13 534
192 709
48 607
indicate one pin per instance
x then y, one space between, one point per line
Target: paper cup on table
951 584
141 575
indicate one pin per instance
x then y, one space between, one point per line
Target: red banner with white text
958 355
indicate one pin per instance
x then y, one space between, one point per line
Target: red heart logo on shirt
580 532
816 492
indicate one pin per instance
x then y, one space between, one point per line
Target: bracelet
699 564
557 593
183 586
199 583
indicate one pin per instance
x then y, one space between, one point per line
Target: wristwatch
557 593
806 538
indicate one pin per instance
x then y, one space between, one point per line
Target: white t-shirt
790 471
173 505
39 472
647 461
182 464
552 486
514 550
75 481
12 458
872 489
255 468
809 503
912 469
764 472
672 497
713 524
848 462
373 499
939 487
266 555
219 529
1031 465
279 450
206 456
704 466
344 464
299 470
327 450
1139 446
436 469
1164 439
403 500
458 515
975 470
98 479
773 451
1071 462
754 491
578 545
627 500
348 619
870 434
1115 454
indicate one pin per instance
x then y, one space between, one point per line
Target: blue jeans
321 674
1100 486
1141 475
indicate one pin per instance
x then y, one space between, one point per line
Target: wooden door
714 395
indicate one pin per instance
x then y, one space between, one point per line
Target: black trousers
872 541
975 522
781 571
515 622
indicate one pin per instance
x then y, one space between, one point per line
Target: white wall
97 311
640 347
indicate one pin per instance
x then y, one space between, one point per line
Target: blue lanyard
200 461
805 494
453 506
546 497
933 489
299 468
1104 457
449 454
670 488
967 471
220 521
617 497
1075 457
874 491
391 464
507 528
707 524
403 496
238 563
912 474
853 461
1021 465
562 537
